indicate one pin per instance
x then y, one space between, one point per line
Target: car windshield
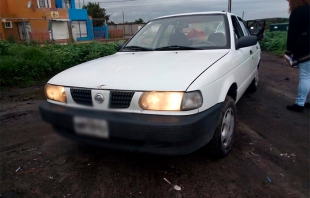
194 32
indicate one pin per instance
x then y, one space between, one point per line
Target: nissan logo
99 98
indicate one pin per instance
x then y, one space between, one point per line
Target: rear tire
223 138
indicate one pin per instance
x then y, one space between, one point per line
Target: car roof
192 13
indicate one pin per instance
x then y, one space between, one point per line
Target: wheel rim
256 78
227 129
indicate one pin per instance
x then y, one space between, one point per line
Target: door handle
251 52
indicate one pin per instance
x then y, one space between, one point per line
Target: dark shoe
307 105
295 107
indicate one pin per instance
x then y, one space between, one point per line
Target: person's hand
288 53
288 59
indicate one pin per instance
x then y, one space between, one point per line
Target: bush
24 64
4 47
274 42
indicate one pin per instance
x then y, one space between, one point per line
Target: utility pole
229 5
242 15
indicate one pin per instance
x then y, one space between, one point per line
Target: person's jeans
304 83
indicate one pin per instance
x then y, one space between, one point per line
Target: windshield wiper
137 48
177 47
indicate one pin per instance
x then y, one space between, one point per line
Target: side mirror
246 41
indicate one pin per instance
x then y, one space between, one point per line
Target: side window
245 30
237 28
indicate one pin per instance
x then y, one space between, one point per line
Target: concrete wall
130 29
82 15
17 11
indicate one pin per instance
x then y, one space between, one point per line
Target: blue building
81 25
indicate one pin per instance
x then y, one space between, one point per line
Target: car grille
120 100
82 96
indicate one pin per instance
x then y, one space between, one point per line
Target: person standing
298 47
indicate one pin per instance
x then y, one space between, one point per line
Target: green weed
21 65
274 42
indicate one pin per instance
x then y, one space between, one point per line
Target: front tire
223 138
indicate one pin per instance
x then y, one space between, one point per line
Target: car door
244 57
255 48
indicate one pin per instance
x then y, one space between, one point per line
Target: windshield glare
189 32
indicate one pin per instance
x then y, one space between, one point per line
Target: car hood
141 71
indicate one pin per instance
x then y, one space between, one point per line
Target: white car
171 89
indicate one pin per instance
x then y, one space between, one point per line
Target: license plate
91 127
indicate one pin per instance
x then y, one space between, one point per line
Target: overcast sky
149 9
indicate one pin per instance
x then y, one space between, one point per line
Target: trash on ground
268 179
176 187
293 156
31 149
252 153
31 97
17 169
32 171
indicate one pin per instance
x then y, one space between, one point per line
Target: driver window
237 28
245 30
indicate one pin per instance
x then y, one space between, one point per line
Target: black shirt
298 38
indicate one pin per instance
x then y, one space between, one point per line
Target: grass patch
274 42
24 65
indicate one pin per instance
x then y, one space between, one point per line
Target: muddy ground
270 157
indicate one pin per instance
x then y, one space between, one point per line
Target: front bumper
158 134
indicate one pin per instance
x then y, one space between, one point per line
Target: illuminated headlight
170 101
56 93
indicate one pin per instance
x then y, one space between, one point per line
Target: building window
44 3
66 3
8 24
79 29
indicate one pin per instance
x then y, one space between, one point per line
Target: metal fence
40 37
128 29
101 34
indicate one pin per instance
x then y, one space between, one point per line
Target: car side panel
215 82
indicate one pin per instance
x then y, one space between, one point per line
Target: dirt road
270 157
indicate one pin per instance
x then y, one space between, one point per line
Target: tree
97 13
139 21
